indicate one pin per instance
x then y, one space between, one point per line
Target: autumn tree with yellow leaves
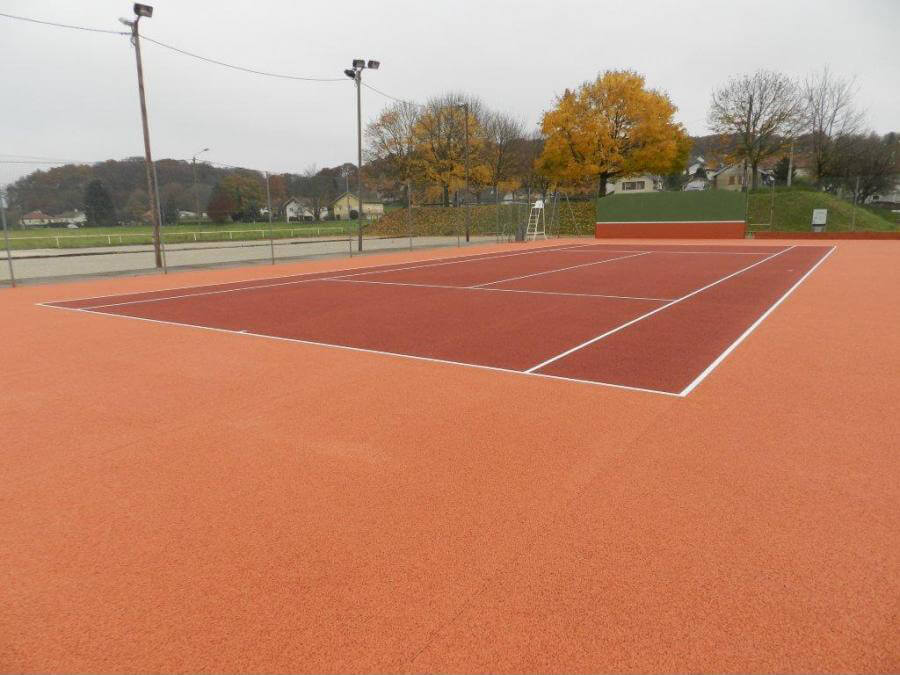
613 126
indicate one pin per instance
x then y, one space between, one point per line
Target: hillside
794 207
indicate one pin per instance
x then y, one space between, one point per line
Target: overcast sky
72 95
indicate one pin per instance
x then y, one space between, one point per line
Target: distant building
634 184
348 204
733 176
35 218
298 209
41 219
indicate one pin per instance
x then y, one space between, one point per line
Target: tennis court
652 317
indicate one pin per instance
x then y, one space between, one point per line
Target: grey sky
72 95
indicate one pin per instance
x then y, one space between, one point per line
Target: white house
33 218
75 217
296 210
39 218
634 184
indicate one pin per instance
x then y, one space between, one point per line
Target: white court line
472 256
493 290
651 313
663 250
712 366
368 351
561 269
294 281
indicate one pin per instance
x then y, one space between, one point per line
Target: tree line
606 128
767 114
114 191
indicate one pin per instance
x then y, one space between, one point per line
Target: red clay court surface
655 318
178 499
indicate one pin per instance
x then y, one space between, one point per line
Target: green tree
221 205
247 195
98 206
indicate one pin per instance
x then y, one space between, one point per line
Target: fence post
12 275
409 212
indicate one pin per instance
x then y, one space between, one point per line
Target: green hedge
448 221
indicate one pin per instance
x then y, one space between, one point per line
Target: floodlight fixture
359 63
125 22
349 72
373 64
143 10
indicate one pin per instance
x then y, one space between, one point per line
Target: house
41 219
634 184
732 177
35 218
346 207
297 209
75 217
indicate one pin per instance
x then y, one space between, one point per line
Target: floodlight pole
356 74
359 185
152 188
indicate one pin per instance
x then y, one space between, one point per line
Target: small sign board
820 216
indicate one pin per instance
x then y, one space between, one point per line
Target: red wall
826 235
726 229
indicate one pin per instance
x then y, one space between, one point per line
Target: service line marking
562 269
470 256
294 280
494 290
625 325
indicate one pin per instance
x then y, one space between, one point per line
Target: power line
241 68
394 98
31 161
64 25
177 49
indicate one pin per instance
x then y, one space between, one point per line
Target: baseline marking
367 351
712 366
652 312
562 269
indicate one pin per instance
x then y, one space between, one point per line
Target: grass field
60 237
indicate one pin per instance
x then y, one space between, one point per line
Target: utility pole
152 188
12 275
